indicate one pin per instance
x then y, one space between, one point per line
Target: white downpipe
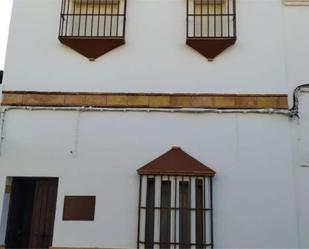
2 119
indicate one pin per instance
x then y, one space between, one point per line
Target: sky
5 15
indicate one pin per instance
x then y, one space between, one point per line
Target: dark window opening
165 214
184 215
150 202
199 216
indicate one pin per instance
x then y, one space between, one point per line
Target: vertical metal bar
194 18
201 17
215 18
170 205
160 210
117 16
208 24
234 17
190 203
147 206
211 210
105 13
175 213
99 16
92 16
139 210
222 18
199 215
67 21
187 26
125 18
112 17
73 19
86 17
80 16
204 212
228 18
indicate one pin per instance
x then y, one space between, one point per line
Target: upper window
92 27
175 203
211 26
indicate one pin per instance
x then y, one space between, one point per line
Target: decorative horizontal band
58 247
146 100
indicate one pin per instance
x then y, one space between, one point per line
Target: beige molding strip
53 247
146 100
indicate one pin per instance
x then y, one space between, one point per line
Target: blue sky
5 14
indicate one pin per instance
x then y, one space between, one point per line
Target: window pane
149 231
184 215
165 215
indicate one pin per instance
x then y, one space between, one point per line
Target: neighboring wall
297 56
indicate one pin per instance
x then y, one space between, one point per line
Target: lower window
175 212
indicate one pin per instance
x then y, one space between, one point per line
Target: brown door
19 219
37 220
43 214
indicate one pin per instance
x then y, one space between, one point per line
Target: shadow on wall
1 76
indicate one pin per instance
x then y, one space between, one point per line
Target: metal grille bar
93 18
211 18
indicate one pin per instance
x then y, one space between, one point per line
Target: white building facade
75 130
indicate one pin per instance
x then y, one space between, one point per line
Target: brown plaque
79 208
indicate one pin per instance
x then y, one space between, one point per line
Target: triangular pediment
210 47
92 48
176 162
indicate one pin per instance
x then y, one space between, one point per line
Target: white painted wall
253 187
155 57
297 60
261 197
302 173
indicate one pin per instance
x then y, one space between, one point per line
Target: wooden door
43 215
20 213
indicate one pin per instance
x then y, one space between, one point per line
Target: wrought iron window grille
92 27
211 26
175 212
175 203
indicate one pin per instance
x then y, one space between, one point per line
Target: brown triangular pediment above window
176 162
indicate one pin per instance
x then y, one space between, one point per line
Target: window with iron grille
175 203
92 27
211 26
